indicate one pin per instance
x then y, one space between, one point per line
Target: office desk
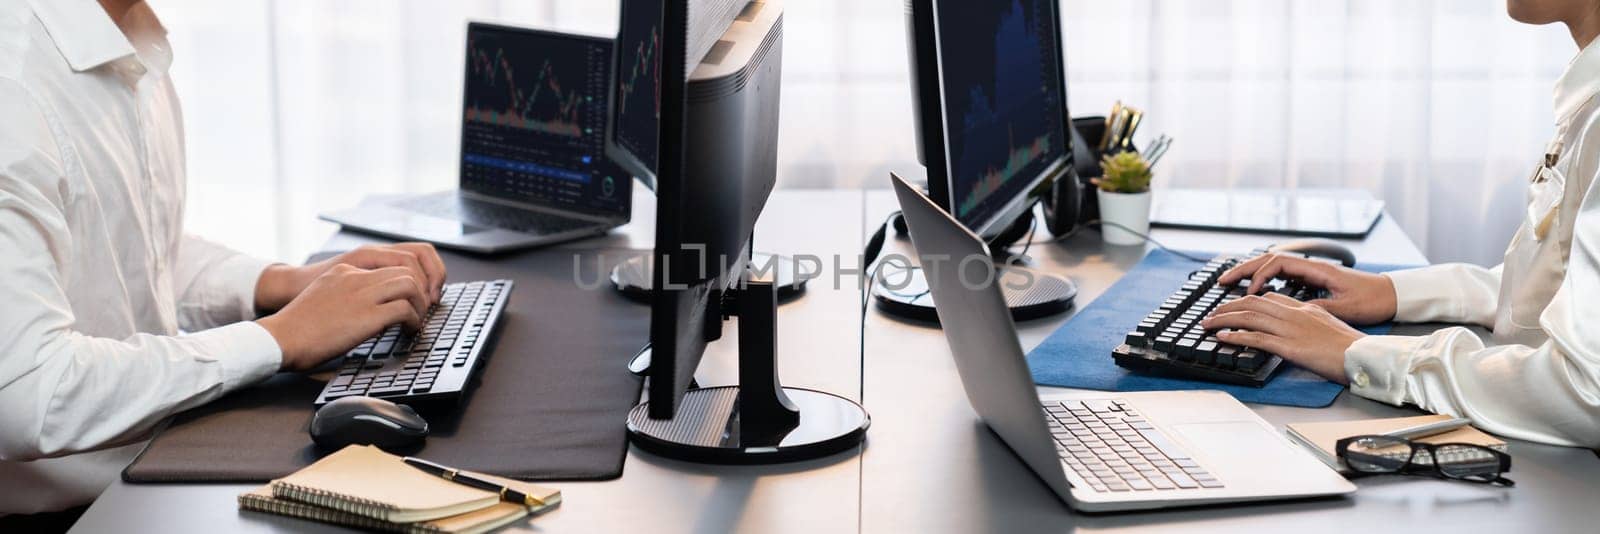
819 347
929 465
934 467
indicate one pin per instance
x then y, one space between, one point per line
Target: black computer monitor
715 167
534 128
633 134
989 92
991 99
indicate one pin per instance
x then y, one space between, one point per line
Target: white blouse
1540 380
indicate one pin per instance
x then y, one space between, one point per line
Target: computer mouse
367 421
1315 246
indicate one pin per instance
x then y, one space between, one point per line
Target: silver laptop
1099 451
533 168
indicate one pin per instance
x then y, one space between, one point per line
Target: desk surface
929 465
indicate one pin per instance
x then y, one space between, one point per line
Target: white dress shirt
98 278
1540 380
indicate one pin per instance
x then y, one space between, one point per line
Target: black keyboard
493 215
1171 342
430 365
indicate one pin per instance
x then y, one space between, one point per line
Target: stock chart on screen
534 117
1003 109
638 102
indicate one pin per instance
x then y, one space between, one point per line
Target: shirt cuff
1377 367
238 276
246 351
1419 297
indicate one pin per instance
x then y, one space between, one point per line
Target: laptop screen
534 120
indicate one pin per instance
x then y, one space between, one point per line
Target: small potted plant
1124 195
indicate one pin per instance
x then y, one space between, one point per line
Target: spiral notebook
474 522
367 482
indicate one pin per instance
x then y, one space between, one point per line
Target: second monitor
993 128
716 164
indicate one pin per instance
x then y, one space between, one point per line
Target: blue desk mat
1078 355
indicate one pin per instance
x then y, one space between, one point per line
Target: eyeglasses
1455 461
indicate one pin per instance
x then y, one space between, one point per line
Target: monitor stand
758 421
902 291
632 277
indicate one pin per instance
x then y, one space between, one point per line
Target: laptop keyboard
494 215
1113 448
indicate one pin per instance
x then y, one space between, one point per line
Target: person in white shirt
111 318
1540 380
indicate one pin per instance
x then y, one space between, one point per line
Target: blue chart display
638 99
1002 90
534 118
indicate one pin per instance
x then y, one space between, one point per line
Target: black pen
455 475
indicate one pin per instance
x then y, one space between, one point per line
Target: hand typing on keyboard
1314 333
1357 297
1214 329
280 284
1301 332
341 308
325 308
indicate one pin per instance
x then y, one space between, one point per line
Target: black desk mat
551 402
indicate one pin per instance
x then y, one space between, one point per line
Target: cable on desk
869 256
1027 243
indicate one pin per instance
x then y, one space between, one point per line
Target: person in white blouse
1540 379
111 318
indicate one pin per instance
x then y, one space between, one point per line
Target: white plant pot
1131 210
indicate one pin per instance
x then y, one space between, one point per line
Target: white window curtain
1438 107
295 107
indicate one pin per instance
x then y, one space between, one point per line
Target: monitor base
1030 293
706 429
758 421
632 277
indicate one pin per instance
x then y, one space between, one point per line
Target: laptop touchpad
1239 449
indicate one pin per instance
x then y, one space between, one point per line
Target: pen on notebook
455 475
1429 429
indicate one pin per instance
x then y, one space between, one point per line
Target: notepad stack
366 488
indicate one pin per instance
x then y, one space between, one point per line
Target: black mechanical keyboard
430 365
1170 340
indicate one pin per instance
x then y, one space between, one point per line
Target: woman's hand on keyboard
343 307
1301 332
1358 297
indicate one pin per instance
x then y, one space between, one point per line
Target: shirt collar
82 32
1580 82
